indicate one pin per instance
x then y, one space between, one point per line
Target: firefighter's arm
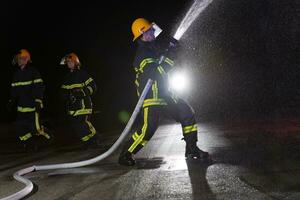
38 86
13 95
38 90
13 92
150 71
13 99
168 55
90 86
166 64
87 90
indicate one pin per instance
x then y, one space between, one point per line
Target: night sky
244 55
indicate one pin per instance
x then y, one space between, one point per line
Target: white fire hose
29 185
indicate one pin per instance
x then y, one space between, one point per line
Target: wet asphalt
250 160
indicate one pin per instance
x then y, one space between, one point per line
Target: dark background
244 55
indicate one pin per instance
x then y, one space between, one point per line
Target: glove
173 43
72 99
78 93
10 105
170 51
38 105
172 48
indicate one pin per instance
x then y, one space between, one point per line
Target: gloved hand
170 50
72 99
173 43
38 105
78 93
10 105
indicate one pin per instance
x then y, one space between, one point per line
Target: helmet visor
157 30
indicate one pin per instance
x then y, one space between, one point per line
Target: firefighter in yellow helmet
27 91
77 90
149 63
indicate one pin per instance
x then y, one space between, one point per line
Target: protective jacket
149 63
77 89
27 89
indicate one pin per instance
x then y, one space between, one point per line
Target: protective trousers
82 127
28 125
180 111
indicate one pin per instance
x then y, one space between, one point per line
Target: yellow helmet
70 57
23 53
140 26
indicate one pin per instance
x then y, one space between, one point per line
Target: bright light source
178 81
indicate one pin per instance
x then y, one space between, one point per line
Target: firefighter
149 63
77 89
27 90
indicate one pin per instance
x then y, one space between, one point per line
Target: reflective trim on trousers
92 130
188 129
40 129
138 139
25 137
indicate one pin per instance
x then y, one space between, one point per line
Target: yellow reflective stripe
21 83
37 124
90 89
25 109
140 137
69 87
43 133
77 85
88 81
87 137
39 80
40 129
136 82
82 104
152 102
188 129
25 137
92 129
161 70
145 62
169 61
80 112
40 101
135 136
155 90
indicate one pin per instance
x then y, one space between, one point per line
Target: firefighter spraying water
153 62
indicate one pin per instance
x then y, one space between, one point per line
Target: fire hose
29 185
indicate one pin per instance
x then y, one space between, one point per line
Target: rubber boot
192 151
126 158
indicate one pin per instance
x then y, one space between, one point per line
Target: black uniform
77 89
148 64
27 91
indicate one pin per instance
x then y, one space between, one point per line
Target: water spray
197 7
